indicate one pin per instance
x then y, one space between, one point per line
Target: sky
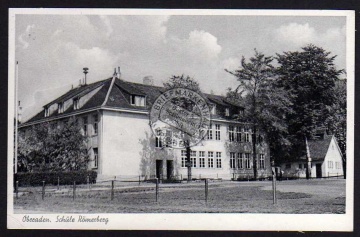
53 49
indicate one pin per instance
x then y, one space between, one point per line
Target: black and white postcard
181 119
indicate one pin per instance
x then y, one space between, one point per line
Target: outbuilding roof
318 148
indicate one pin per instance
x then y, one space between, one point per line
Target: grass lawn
295 196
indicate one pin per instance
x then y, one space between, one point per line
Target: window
202 159
183 158
158 138
238 134
232 160
231 133
96 158
260 139
209 134
211 159
218 159
137 100
262 161
167 140
96 120
227 112
240 160
193 158
60 107
247 161
247 135
85 125
213 110
300 166
76 103
217 131
47 112
330 164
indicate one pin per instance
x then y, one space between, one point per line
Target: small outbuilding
326 160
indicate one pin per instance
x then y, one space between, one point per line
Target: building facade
114 114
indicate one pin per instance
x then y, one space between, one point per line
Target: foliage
265 103
336 122
52 147
65 177
309 76
182 82
191 84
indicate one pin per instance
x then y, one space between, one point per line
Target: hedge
65 178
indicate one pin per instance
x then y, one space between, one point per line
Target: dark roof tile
119 97
318 148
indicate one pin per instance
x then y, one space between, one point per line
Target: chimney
119 73
85 72
148 80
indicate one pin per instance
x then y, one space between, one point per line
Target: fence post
88 181
157 189
199 176
181 177
74 190
139 180
274 188
206 190
43 190
233 176
112 189
58 186
17 189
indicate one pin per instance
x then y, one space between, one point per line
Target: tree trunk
254 152
188 162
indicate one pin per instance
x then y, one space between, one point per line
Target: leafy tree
265 104
48 147
309 76
336 122
187 83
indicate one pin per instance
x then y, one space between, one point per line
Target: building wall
296 169
332 165
120 149
225 147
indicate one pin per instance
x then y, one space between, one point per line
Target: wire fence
109 187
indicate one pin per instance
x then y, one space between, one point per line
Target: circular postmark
180 118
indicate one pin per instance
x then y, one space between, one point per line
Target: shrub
65 177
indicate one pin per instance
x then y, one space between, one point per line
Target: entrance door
159 169
318 171
169 169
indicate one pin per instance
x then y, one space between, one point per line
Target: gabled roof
78 91
119 97
95 101
318 148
